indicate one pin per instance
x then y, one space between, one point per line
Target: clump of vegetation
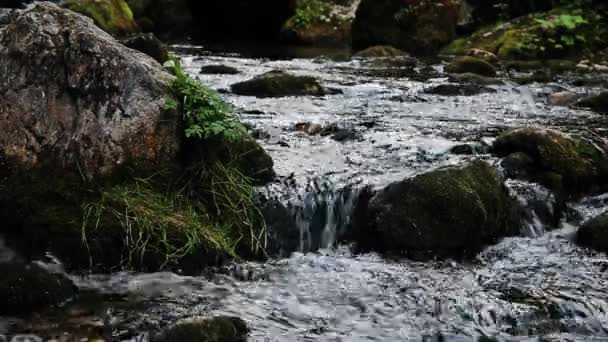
205 113
309 12
112 16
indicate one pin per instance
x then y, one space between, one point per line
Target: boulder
415 26
28 288
84 119
112 16
594 233
562 98
597 103
569 166
278 84
150 45
483 54
217 329
453 212
319 22
218 69
472 65
380 51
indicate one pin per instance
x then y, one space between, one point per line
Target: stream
377 129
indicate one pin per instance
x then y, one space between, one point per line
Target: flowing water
379 129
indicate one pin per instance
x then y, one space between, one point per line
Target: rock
28 288
451 212
165 18
219 69
463 149
594 233
278 84
483 54
112 16
597 103
283 231
217 329
318 23
562 98
517 165
391 62
450 89
380 51
416 26
472 65
474 79
150 45
344 134
571 167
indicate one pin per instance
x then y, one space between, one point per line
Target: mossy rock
419 27
597 103
569 166
278 84
217 329
315 22
476 79
451 212
112 16
594 233
380 51
472 65
28 288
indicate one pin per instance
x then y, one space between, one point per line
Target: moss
277 84
217 329
569 166
112 16
473 65
594 233
380 51
26 289
447 212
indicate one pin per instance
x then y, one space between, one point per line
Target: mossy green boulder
467 64
597 103
418 27
27 288
217 329
316 22
278 84
594 233
112 16
450 212
570 166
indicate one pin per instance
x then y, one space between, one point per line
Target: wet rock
278 84
112 16
450 89
594 233
474 79
564 164
308 128
517 165
219 69
150 45
418 27
380 51
562 98
597 103
483 54
28 288
464 149
283 232
472 65
345 135
217 329
448 212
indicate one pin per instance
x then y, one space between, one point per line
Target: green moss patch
112 16
472 65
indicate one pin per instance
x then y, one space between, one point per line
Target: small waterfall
540 204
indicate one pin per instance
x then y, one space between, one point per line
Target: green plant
560 31
205 113
309 12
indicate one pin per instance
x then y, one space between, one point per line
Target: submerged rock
219 69
448 212
416 26
278 84
28 288
562 98
594 233
597 103
471 65
150 45
569 166
217 329
449 89
112 16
